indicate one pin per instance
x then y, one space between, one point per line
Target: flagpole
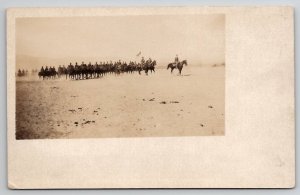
137 56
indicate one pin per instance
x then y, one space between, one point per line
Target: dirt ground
127 105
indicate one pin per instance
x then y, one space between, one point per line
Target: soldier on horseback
143 61
19 73
149 61
141 65
176 60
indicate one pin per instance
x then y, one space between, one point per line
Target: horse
21 73
139 68
60 71
152 65
179 66
41 74
48 73
80 71
149 66
70 71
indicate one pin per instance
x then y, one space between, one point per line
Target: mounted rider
143 62
70 65
149 61
176 60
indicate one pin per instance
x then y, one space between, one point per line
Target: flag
137 55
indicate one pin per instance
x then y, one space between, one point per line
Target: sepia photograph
150 97
120 76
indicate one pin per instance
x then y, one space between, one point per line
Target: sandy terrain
133 105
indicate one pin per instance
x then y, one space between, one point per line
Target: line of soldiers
47 72
22 73
25 72
86 71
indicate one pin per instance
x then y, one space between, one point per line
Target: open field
127 105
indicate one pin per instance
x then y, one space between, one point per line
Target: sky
200 39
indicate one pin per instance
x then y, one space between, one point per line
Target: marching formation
22 73
89 71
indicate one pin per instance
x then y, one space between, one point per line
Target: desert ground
126 105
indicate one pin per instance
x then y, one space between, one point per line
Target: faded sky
53 41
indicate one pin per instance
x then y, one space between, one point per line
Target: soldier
142 61
46 69
149 61
176 60
19 72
